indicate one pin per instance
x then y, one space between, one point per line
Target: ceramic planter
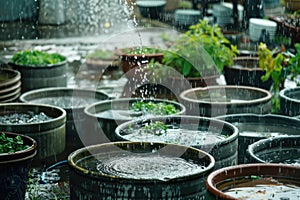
104 117
139 171
284 149
14 169
253 127
49 133
246 71
10 85
290 101
218 138
276 181
35 77
73 101
214 101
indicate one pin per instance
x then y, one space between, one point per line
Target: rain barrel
35 77
216 137
129 170
73 101
104 117
253 127
284 149
44 123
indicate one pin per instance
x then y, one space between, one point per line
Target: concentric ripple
139 166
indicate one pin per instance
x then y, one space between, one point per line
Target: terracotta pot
131 63
226 178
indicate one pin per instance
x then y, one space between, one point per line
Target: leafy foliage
155 128
154 108
36 58
11 145
189 55
278 66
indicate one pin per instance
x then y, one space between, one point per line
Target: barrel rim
88 109
62 117
266 98
82 170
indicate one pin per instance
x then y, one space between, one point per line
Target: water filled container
216 137
104 117
290 101
254 127
73 101
212 101
129 170
255 182
44 123
284 149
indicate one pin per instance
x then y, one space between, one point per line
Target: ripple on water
149 166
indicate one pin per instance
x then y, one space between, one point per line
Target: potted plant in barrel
278 67
200 54
40 69
132 59
16 154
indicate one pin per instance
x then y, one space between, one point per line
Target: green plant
142 50
200 49
155 128
154 108
36 58
10 144
278 67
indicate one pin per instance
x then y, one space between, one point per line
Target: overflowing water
24 118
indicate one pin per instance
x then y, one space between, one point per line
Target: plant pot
48 133
10 85
246 71
290 101
283 149
139 171
104 117
253 127
151 9
251 175
15 168
214 101
132 63
35 77
218 138
73 101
